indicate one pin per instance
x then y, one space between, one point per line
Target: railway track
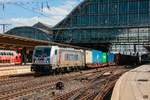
26 87
8 79
96 88
15 78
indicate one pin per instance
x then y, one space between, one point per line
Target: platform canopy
11 41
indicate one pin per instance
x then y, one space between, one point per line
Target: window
133 19
123 7
103 8
4 53
71 57
144 6
144 18
42 51
113 8
123 19
143 34
133 35
133 7
93 8
113 20
55 52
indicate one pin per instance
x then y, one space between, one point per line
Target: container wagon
95 59
47 59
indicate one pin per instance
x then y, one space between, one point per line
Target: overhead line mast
4 27
42 5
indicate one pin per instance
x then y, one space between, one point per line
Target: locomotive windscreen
42 52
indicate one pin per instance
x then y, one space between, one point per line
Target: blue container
96 56
110 57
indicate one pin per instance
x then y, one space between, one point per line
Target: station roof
43 26
38 31
31 32
11 41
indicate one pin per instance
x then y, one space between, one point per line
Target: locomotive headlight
34 60
48 60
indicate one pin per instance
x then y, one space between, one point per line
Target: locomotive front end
41 59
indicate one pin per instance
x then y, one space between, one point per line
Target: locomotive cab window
55 52
42 51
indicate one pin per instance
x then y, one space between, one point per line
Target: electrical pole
4 27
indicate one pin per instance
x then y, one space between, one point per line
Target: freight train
47 59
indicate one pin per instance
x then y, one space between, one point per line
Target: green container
104 57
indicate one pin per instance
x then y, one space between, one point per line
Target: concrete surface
133 85
12 70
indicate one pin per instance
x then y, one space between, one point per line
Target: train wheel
55 71
61 70
77 68
51 72
65 69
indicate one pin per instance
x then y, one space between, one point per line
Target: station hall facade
125 24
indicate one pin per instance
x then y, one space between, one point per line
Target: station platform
133 85
14 70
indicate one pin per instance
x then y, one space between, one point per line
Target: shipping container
70 58
104 57
96 57
88 57
126 59
110 57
